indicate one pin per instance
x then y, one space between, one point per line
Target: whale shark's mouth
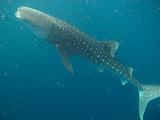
17 14
39 22
23 12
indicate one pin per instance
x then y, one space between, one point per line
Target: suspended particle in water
86 2
35 40
17 53
21 28
115 11
53 78
2 17
95 79
59 84
30 90
139 20
122 14
100 70
62 85
4 60
5 74
108 90
91 118
158 105
136 0
45 47
15 64
5 42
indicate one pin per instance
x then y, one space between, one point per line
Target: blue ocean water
34 84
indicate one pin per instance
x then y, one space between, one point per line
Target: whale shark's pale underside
70 41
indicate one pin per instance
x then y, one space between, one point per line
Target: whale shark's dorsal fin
66 61
112 46
146 94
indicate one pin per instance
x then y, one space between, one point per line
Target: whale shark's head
40 23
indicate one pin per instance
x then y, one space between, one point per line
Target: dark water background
34 84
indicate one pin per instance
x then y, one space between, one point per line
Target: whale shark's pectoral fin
111 46
66 62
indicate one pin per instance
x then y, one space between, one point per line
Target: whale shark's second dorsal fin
130 72
130 69
111 46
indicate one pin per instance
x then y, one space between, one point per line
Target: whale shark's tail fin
146 94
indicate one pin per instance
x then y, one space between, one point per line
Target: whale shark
70 41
